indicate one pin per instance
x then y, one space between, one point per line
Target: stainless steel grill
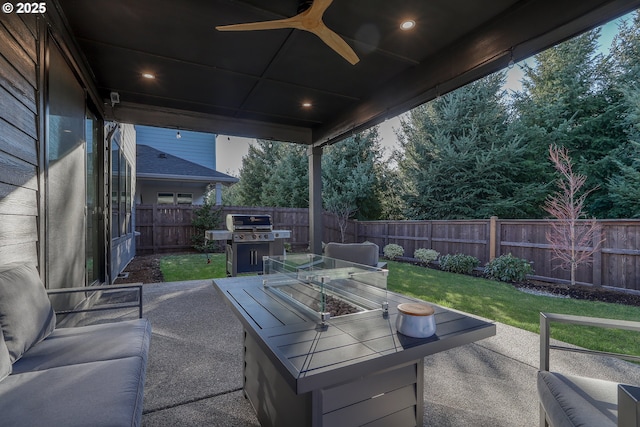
249 238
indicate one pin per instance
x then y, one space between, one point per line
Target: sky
231 149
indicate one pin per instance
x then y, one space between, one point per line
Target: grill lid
237 222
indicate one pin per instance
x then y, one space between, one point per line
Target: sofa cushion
69 346
578 401
5 361
26 315
107 393
360 253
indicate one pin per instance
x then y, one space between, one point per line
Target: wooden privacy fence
617 264
167 228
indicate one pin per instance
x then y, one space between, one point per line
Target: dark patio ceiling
254 83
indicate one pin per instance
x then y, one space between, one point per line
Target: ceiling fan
309 18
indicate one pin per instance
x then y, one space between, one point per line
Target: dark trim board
355 371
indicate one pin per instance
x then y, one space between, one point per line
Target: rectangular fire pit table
353 370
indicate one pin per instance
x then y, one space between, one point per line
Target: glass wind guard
324 285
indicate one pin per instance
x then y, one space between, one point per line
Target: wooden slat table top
311 357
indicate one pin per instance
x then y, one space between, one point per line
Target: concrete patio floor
194 375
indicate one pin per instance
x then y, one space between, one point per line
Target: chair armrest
547 318
628 406
107 288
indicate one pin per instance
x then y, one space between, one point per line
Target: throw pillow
26 315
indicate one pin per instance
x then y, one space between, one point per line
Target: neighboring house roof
155 164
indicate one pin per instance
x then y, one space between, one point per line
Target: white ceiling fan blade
335 42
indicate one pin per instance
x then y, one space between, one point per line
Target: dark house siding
19 181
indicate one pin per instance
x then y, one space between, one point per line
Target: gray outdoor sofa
571 400
80 376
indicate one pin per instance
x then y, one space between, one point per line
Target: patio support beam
315 199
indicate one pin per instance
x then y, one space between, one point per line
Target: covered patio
74 74
195 376
304 71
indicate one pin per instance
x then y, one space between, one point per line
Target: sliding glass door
95 238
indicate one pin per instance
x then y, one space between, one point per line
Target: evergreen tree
461 158
257 167
206 217
288 182
349 181
273 174
568 101
230 195
389 191
623 186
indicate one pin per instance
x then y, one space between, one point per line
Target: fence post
597 258
386 233
154 241
493 238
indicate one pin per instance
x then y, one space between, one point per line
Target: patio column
315 199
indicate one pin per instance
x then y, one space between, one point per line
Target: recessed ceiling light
148 76
407 24
307 104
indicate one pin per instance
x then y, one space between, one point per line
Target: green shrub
393 251
425 256
508 268
206 217
459 263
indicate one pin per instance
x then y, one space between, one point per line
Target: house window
120 191
165 198
184 198
115 185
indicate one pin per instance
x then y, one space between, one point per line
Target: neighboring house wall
147 192
123 240
196 147
164 178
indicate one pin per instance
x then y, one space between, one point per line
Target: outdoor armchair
571 400
361 253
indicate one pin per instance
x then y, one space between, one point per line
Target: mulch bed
590 293
142 269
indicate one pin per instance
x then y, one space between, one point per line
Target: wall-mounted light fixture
178 136
115 98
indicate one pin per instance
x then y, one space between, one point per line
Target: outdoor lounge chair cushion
578 401
26 315
5 361
82 344
105 393
360 253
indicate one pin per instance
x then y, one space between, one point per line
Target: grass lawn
176 268
487 298
503 303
